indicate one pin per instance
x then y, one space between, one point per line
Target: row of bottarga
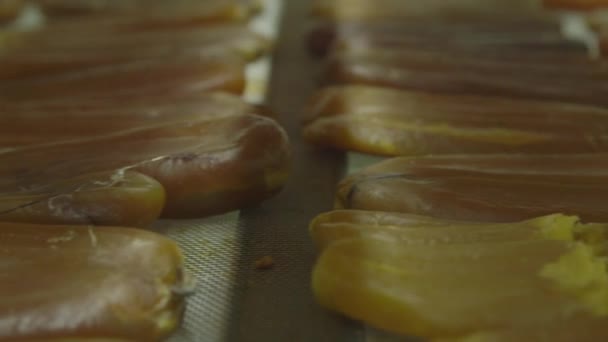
482 227
113 114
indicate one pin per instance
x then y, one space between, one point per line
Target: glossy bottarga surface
81 283
538 280
143 78
38 122
207 166
116 197
401 122
498 188
78 47
536 35
440 72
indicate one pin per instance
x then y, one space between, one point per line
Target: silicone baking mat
233 300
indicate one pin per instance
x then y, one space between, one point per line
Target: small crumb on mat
264 263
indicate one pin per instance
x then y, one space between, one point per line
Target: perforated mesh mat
233 301
211 248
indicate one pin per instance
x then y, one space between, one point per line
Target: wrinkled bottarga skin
406 9
498 188
395 122
522 37
50 52
175 13
538 280
39 122
207 166
82 283
119 197
440 72
144 78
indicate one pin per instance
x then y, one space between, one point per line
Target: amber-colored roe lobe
81 283
127 129
542 279
217 163
78 46
498 188
407 123
42 121
582 82
141 78
524 36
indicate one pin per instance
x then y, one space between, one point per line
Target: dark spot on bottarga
354 188
186 157
91 220
29 204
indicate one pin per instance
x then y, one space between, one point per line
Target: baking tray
233 301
